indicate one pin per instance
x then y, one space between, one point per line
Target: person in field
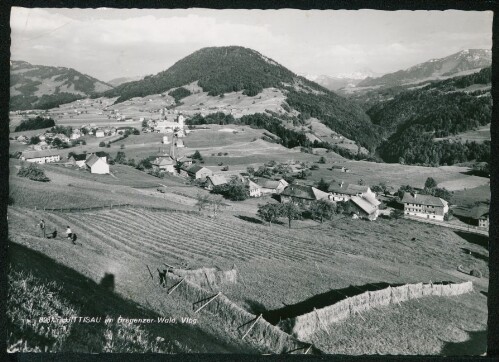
42 227
69 233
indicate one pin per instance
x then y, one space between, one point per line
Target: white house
254 189
97 164
425 206
78 160
99 133
272 186
215 180
40 156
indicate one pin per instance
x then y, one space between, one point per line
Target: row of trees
34 123
319 210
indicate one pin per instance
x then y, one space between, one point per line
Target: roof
363 204
476 212
37 154
92 160
372 199
253 185
302 192
217 180
348 189
162 161
320 195
423 199
193 169
269 184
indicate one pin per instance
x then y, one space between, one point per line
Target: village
281 182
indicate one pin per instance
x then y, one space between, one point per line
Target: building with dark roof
302 194
477 215
196 172
425 206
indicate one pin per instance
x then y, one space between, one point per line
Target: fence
248 326
303 326
469 228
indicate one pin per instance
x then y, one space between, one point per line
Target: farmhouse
272 186
97 164
99 133
40 156
254 189
163 164
364 208
478 215
340 168
343 192
302 194
78 160
22 139
196 172
214 180
425 206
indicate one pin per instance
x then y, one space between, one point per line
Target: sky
112 43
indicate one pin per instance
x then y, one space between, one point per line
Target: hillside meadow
314 260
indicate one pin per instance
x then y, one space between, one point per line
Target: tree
322 159
380 188
250 170
323 185
120 157
290 211
404 188
269 212
197 156
33 173
322 209
430 183
34 140
442 193
102 144
144 124
57 143
136 132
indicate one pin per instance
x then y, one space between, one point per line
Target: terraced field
276 266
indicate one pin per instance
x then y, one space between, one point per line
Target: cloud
112 43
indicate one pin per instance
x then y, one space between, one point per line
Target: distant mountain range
339 81
43 87
461 63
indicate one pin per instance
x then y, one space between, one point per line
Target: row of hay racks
248 326
303 326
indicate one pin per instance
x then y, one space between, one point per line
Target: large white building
97 164
41 156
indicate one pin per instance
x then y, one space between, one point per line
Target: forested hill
412 121
44 87
219 70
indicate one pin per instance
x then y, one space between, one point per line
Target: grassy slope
309 259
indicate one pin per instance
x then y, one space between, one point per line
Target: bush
33 173
102 144
34 123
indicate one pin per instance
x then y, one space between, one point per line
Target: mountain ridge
40 86
463 61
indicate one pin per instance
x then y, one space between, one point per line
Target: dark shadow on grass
474 346
476 255
254 220
477 239
97 300
321 300
255 307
